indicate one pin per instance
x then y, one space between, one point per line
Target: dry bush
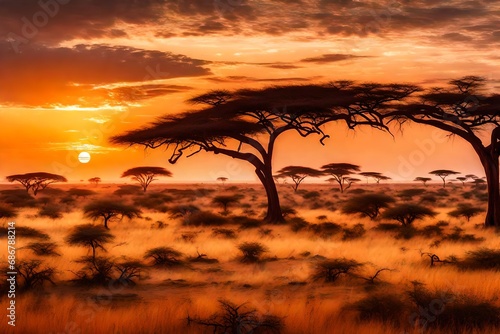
355 232
224 233
43 248
458 235
251 251
96 270
164 256
483 258
129 270
385 307
237 319
182 211
245 222
331 269
297 224
325 230
31 274
204 218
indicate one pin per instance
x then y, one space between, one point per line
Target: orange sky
96 69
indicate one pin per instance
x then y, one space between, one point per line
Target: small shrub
182 211
297 224
96 270
432 231
483 258
224 232
50 211
325 230
32 275
330 270
129 270
204 218
7 212
355 232
458 236
246 223
251 251
153 201
384 307
406 214
312 195
164 256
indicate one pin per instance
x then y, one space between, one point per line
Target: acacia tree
443 174
222 179
340 173
90 236
36 181
297 174
376 176
462 179
464 110
424 180
109 210
94 180
245 124
146 175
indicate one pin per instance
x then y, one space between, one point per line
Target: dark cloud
40 75
330 58
246 79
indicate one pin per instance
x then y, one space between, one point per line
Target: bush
367 205
226 200
330 270
153 201
406 214
432 231
204 218
182 211
25 232
50 211
17 198
408 194
77 192
43 248
32 275
7 212
458 236
325 230
164 256
251 251
246 223
126 190
96 270
384 307
297 224
224 232
129 270
483 258
355 232
313 195
238 319
465 210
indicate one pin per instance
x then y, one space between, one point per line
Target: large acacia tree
36 181
245 124
467 111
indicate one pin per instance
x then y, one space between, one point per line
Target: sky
73 73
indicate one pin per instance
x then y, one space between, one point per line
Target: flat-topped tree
462 179
222 179
340 173
443 174
36 181
297 174
466 110
245 124
376 176
110 210
146 175
424 180
94 180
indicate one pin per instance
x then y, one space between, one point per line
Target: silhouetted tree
298 174
108 210
36 181
94 180
146 175
251 251
245 124
340 173
32 275
376 176
331 269
406 214
222 179
465 210
90 236
226 200
465 110
164 256
424 180
368 205
462 179
443 174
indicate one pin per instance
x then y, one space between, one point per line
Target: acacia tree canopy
298 174
36 181
146 175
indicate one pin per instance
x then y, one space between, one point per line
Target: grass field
459 295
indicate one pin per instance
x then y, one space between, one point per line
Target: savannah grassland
281 283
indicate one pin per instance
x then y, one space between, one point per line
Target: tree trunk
489 160
106 223
274 214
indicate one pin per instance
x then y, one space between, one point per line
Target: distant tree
424 180
109 210
94 180
478 182
443 174
146 175
164 256
90 236
32 275
376 176
226 200
465 210
340 173
406 214
462 179
471 176
36 181
298 174
367 205
222 179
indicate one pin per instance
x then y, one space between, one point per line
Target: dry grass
281 284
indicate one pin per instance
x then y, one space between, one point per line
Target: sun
84 157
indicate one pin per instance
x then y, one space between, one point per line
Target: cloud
77 75
247 79
330 58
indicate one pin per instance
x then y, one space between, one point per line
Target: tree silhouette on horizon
145 175
36 181
298 174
